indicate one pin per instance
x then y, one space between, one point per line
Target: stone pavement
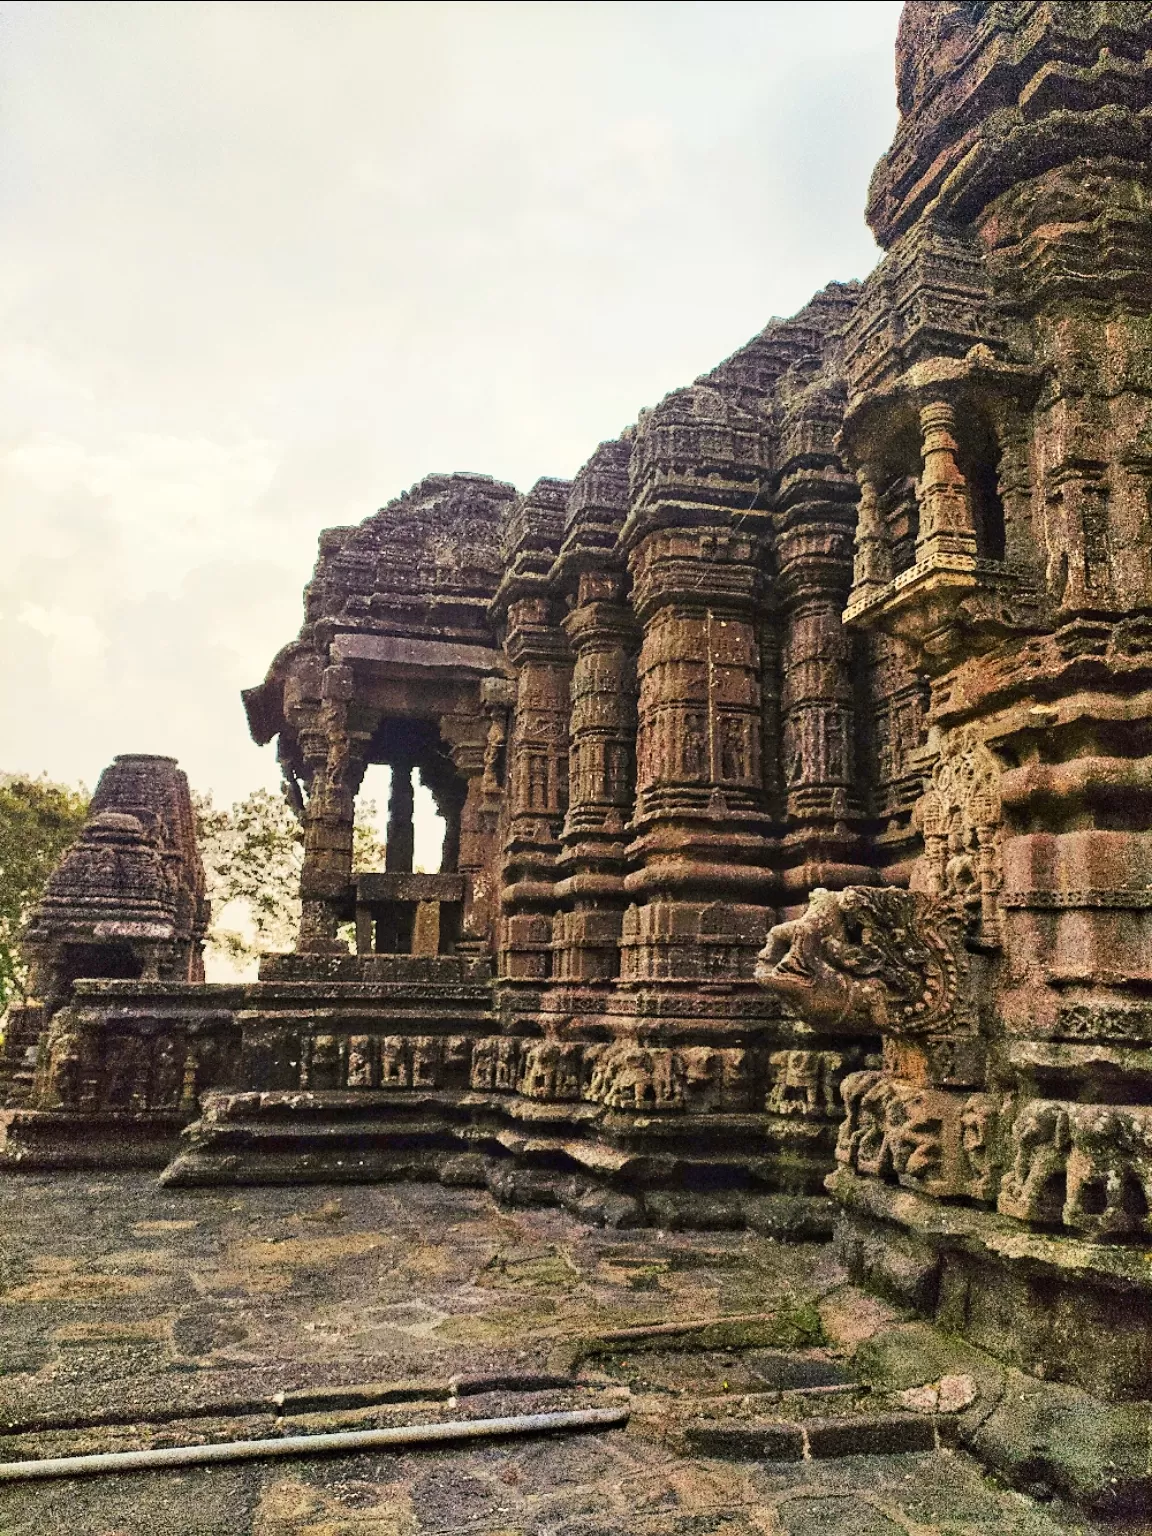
134 1316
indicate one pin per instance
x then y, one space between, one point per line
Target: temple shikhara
795 763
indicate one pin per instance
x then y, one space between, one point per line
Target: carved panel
84 1065
697 1079
927 1139
805 1083
960 816
1083 1166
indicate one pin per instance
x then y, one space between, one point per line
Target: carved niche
959 816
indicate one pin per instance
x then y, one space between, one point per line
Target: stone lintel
393 651
400 885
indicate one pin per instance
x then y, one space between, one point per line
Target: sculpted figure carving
804 1083
538 1069
506 1065
630 1080
924 1138
327 1063
703 1073
425 1061
211 1062
863 1141
361 1054
124 1073
60 1081
551 1070
711 1081
629 1077
869 960
916 1134
978 1122
167 1075
495 743
394 1071
1109 1190
960 816
456 1056
1033 1189
482 1073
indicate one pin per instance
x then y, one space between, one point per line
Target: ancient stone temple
125 907
849 640
635 704
995 1169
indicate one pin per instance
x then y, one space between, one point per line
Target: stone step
779 1439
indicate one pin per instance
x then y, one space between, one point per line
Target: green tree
39 821
253 854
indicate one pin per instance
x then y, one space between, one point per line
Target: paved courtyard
132 1316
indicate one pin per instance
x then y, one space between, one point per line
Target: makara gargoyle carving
870 960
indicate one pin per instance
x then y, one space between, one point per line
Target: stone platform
135 1315
1063 1309
381 1067
611 1169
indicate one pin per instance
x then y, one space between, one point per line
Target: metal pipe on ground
310 1445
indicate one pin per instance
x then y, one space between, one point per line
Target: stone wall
1000 359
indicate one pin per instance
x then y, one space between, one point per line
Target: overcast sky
262 266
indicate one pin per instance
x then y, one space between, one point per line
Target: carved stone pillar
536 751
537 778
602 636
700 821
336 757
821 749
946 523
478 748
872 564
700 882
603 729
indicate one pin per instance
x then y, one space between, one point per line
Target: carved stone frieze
138 1066
690 1079
928 1139
805 1083
1087 1167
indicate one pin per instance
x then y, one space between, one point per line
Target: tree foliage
253 854
39 821
252 858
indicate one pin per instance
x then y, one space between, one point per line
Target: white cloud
265 265
76 633
76 647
